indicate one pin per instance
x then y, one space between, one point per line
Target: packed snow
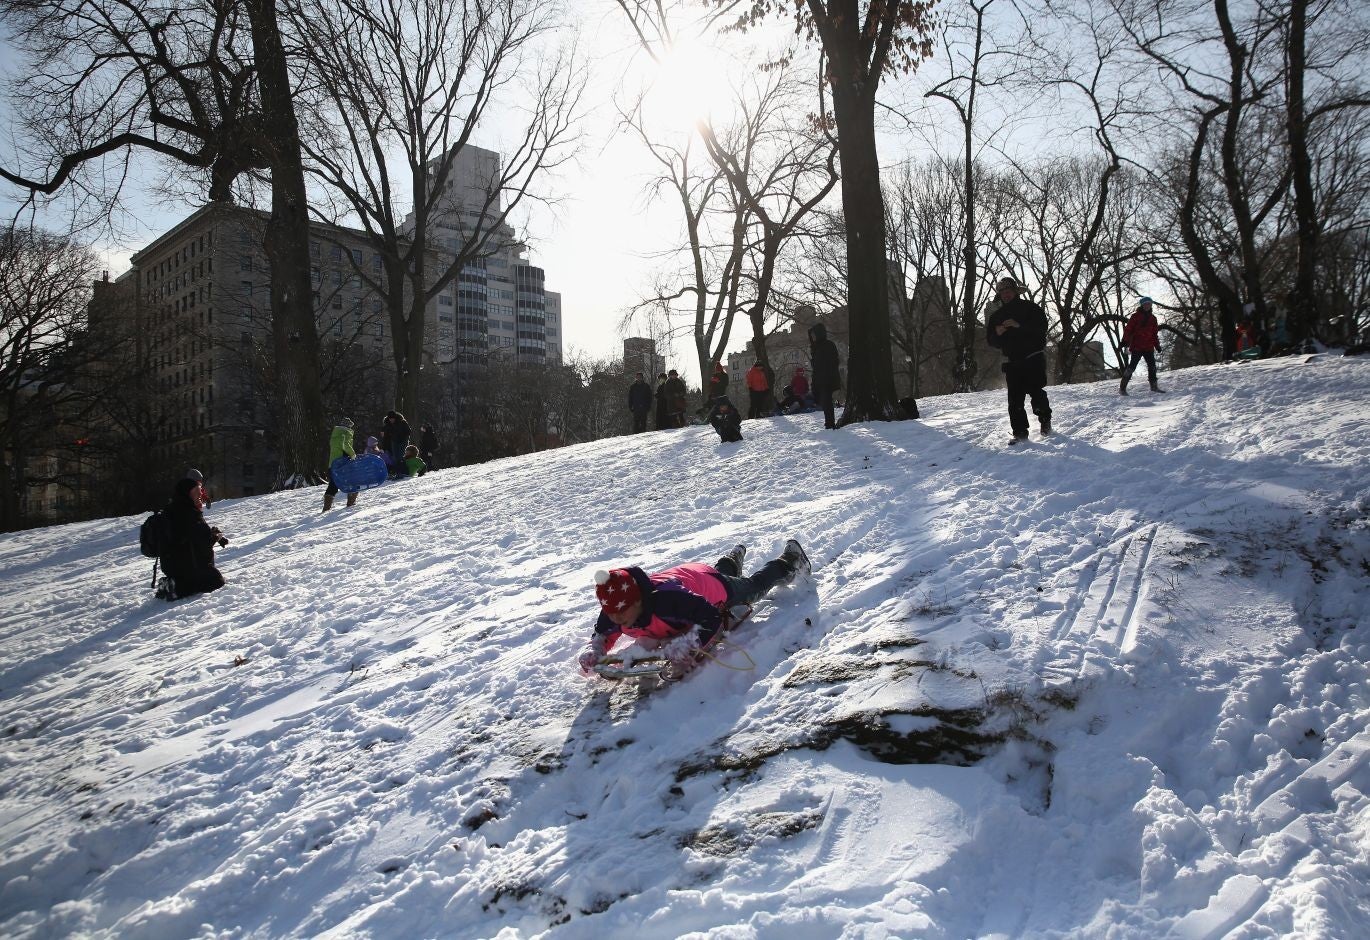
1109 683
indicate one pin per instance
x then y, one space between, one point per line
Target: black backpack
154 537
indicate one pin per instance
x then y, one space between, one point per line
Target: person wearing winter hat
1142 337
199 494
685 601
373 446
339 448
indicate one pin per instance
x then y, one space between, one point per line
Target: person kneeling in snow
726 420
685 601
188 554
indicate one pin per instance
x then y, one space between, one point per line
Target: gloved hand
589 659
684 655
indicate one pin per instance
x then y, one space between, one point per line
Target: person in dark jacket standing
395 437
1018 329
188 557
663 406
1142 337
428 446
718 382
826 375
676 394
639 402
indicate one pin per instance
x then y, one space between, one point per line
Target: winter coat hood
817 333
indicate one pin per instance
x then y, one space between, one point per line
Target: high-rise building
503 308
639 355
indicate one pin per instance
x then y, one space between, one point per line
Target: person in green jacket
339 446
413 464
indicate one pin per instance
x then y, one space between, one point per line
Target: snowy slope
1110 683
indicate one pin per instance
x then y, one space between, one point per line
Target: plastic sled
363 473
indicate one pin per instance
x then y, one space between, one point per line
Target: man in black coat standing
827 378
1018 329
639 402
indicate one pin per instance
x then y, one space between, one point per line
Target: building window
244 262
335 252
246 287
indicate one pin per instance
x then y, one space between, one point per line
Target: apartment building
503 308
201 296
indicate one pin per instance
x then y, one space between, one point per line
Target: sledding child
687 601
373 447
413 466
726 420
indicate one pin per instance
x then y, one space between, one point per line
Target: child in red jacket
1142 337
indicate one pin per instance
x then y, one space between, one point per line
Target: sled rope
751 663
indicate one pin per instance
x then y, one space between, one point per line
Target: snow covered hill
1113 683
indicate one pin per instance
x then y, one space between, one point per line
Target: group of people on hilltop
670 397
802 392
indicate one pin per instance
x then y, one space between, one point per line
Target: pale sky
596 242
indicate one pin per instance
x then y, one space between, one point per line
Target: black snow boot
795 555
1157 389
735 555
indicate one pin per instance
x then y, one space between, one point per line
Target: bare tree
204 84
862 41
977 61
402 86
44 289
742 202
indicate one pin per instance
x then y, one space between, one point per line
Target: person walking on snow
827 377
685 601
1018 329
1142 337
339 448
639 402
758 391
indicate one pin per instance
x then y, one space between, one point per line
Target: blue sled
352 476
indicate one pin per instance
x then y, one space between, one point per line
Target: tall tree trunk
1229 302
870 377
286 243
1237 198
1303 302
